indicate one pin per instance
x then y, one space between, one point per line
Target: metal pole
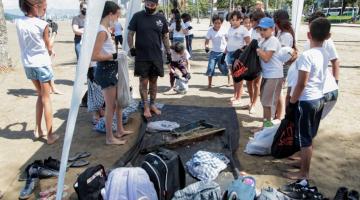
198 11
212 10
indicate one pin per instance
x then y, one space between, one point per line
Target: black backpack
285 140
89 183
166 171
250 63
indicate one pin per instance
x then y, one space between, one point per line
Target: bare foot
51 139
115 141
123 134
236 102
209 86
296 164
38 134
296 156
147 113
154 109
251 110
232 99
294 175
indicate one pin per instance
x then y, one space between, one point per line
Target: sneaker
341 194
295 186
268 124
29 188
353 195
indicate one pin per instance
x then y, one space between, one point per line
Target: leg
77 50
144 82
153 92
54 89
211 68
209 82
110 98
39 110
306 154
267 113
172 77
256 86
121 132
46 102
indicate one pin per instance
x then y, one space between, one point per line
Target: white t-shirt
30 32
108 46
187 25
273 68
118 29
217 38
285 38
255 35
235 38
179 57
177 34
315 61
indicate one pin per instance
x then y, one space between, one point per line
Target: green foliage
204 7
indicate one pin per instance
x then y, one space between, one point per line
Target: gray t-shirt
80 21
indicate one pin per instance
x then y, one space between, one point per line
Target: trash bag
262 141
250 67
123 88
285 141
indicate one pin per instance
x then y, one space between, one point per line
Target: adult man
151 31
78 27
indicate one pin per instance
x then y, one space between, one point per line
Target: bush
339 19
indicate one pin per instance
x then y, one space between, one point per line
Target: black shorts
118 39
308 116
106 74
146 69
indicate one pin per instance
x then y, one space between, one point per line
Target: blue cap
266 22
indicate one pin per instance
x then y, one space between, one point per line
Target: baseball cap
285 53
266 22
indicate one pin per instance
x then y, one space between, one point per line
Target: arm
47 40
265 55
130 39
97 54
335 64
207 41
77 30
288 96
166 42
299 88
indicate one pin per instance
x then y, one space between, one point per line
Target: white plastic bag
123 87
262 141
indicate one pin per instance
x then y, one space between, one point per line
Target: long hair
285 26
110 7
177 22
26 5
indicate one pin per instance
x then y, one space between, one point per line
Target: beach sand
336 159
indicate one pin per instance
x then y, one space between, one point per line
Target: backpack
250 63
202 190
166 171
242 188
89 184
284 144
129 184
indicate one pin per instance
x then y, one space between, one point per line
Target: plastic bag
123 87
262 141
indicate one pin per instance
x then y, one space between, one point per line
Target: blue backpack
242 188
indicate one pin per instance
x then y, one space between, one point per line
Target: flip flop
79 163
79 155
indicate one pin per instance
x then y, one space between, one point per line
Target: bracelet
114 55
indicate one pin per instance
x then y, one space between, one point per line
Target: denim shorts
42 74
215 59
230 58
106 74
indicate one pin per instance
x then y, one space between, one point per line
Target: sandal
79 163
79 155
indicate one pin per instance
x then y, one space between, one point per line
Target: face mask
149 10
83 12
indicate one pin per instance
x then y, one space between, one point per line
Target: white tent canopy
92 21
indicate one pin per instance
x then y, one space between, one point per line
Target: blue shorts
307 120
42 74
215 59
229 59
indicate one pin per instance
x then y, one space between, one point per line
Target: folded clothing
199 191
161 126
206 166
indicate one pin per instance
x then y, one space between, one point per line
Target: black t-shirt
149 32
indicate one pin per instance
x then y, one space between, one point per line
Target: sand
336 160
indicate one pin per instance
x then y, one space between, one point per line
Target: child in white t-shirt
180 61
272 69
306 102
36 48
237 37
216 35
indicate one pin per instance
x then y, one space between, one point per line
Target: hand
190 27
168 57
133 52
55 28
207 49
188 76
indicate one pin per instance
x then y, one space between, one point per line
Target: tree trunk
4 56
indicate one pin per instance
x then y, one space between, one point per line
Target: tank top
108 46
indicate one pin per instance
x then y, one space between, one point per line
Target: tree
4 56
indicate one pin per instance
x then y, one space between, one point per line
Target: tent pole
198 11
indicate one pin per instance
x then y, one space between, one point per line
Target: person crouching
179 60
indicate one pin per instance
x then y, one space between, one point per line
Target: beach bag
202 190
262 141
284 144
166 171
250 67
243 188
129 184
90 183
181 85
123 87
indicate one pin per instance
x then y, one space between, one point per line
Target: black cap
154 1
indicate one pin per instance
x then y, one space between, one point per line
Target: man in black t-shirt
151 31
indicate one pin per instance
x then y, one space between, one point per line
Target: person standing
36 49
178 29
78 23
118 34
151 31
188 32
